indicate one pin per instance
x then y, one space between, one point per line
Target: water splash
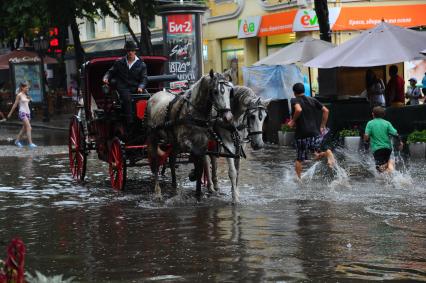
341 178
309 174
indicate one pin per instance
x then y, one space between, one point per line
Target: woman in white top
23 99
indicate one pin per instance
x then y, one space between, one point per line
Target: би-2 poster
181 46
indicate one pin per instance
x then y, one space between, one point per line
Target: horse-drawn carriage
101 124
163 126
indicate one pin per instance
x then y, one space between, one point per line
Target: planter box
286 138
417 150
352 143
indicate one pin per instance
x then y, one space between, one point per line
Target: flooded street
333 227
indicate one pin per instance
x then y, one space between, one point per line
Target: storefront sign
307 20
249 27
343 18
181 46
359 18
277 23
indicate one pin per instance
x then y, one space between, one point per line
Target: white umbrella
302 51
423 52
383 45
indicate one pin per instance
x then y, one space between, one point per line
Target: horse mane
196 86
243 98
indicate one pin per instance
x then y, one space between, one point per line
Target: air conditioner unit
302 3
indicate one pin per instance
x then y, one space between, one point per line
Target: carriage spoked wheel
77 150
117 165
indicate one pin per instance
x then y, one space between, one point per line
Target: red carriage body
101 126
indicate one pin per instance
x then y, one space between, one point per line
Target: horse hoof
192 176
158 198
198 196
211 190
235 199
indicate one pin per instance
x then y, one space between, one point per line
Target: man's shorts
309 145
23 116
382 156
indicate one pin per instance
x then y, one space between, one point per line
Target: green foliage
417 136
286 128
24 18
349 133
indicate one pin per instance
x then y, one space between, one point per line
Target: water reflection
280 232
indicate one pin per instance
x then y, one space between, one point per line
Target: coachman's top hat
130 46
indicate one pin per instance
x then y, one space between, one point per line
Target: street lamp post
41 44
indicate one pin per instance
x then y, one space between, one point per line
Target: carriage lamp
41 44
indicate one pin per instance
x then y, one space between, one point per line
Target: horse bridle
222 83
247 113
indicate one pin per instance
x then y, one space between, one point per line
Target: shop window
223 1
274 48
101 24
122 28
223 8
233 57
90 29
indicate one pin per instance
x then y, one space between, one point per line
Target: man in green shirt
377 132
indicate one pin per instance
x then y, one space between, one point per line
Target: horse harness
219 140
235 133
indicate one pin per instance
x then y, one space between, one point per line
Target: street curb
35 125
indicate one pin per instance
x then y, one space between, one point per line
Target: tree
321 9
66 13
19 20
143 9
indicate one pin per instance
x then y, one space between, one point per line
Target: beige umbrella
383 45
302 51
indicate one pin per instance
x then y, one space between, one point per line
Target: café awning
17 55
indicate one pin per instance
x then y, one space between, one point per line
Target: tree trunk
126 23
145 42
321 9
78 48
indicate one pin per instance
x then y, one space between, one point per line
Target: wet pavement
336 226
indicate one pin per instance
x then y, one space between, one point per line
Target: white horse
179 124
249 113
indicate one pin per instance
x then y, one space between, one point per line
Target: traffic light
54 47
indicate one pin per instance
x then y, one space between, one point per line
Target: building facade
249 30
238 33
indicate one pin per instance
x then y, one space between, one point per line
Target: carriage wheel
117 165
77 150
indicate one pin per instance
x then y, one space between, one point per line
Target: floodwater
336 226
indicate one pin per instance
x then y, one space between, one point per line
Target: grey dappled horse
182 121
249 113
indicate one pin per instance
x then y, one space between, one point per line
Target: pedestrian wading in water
309 133
377 132
23 100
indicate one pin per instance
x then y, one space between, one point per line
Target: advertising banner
31 73
180 40
360 18
343 18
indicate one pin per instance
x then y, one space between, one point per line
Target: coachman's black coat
128 80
